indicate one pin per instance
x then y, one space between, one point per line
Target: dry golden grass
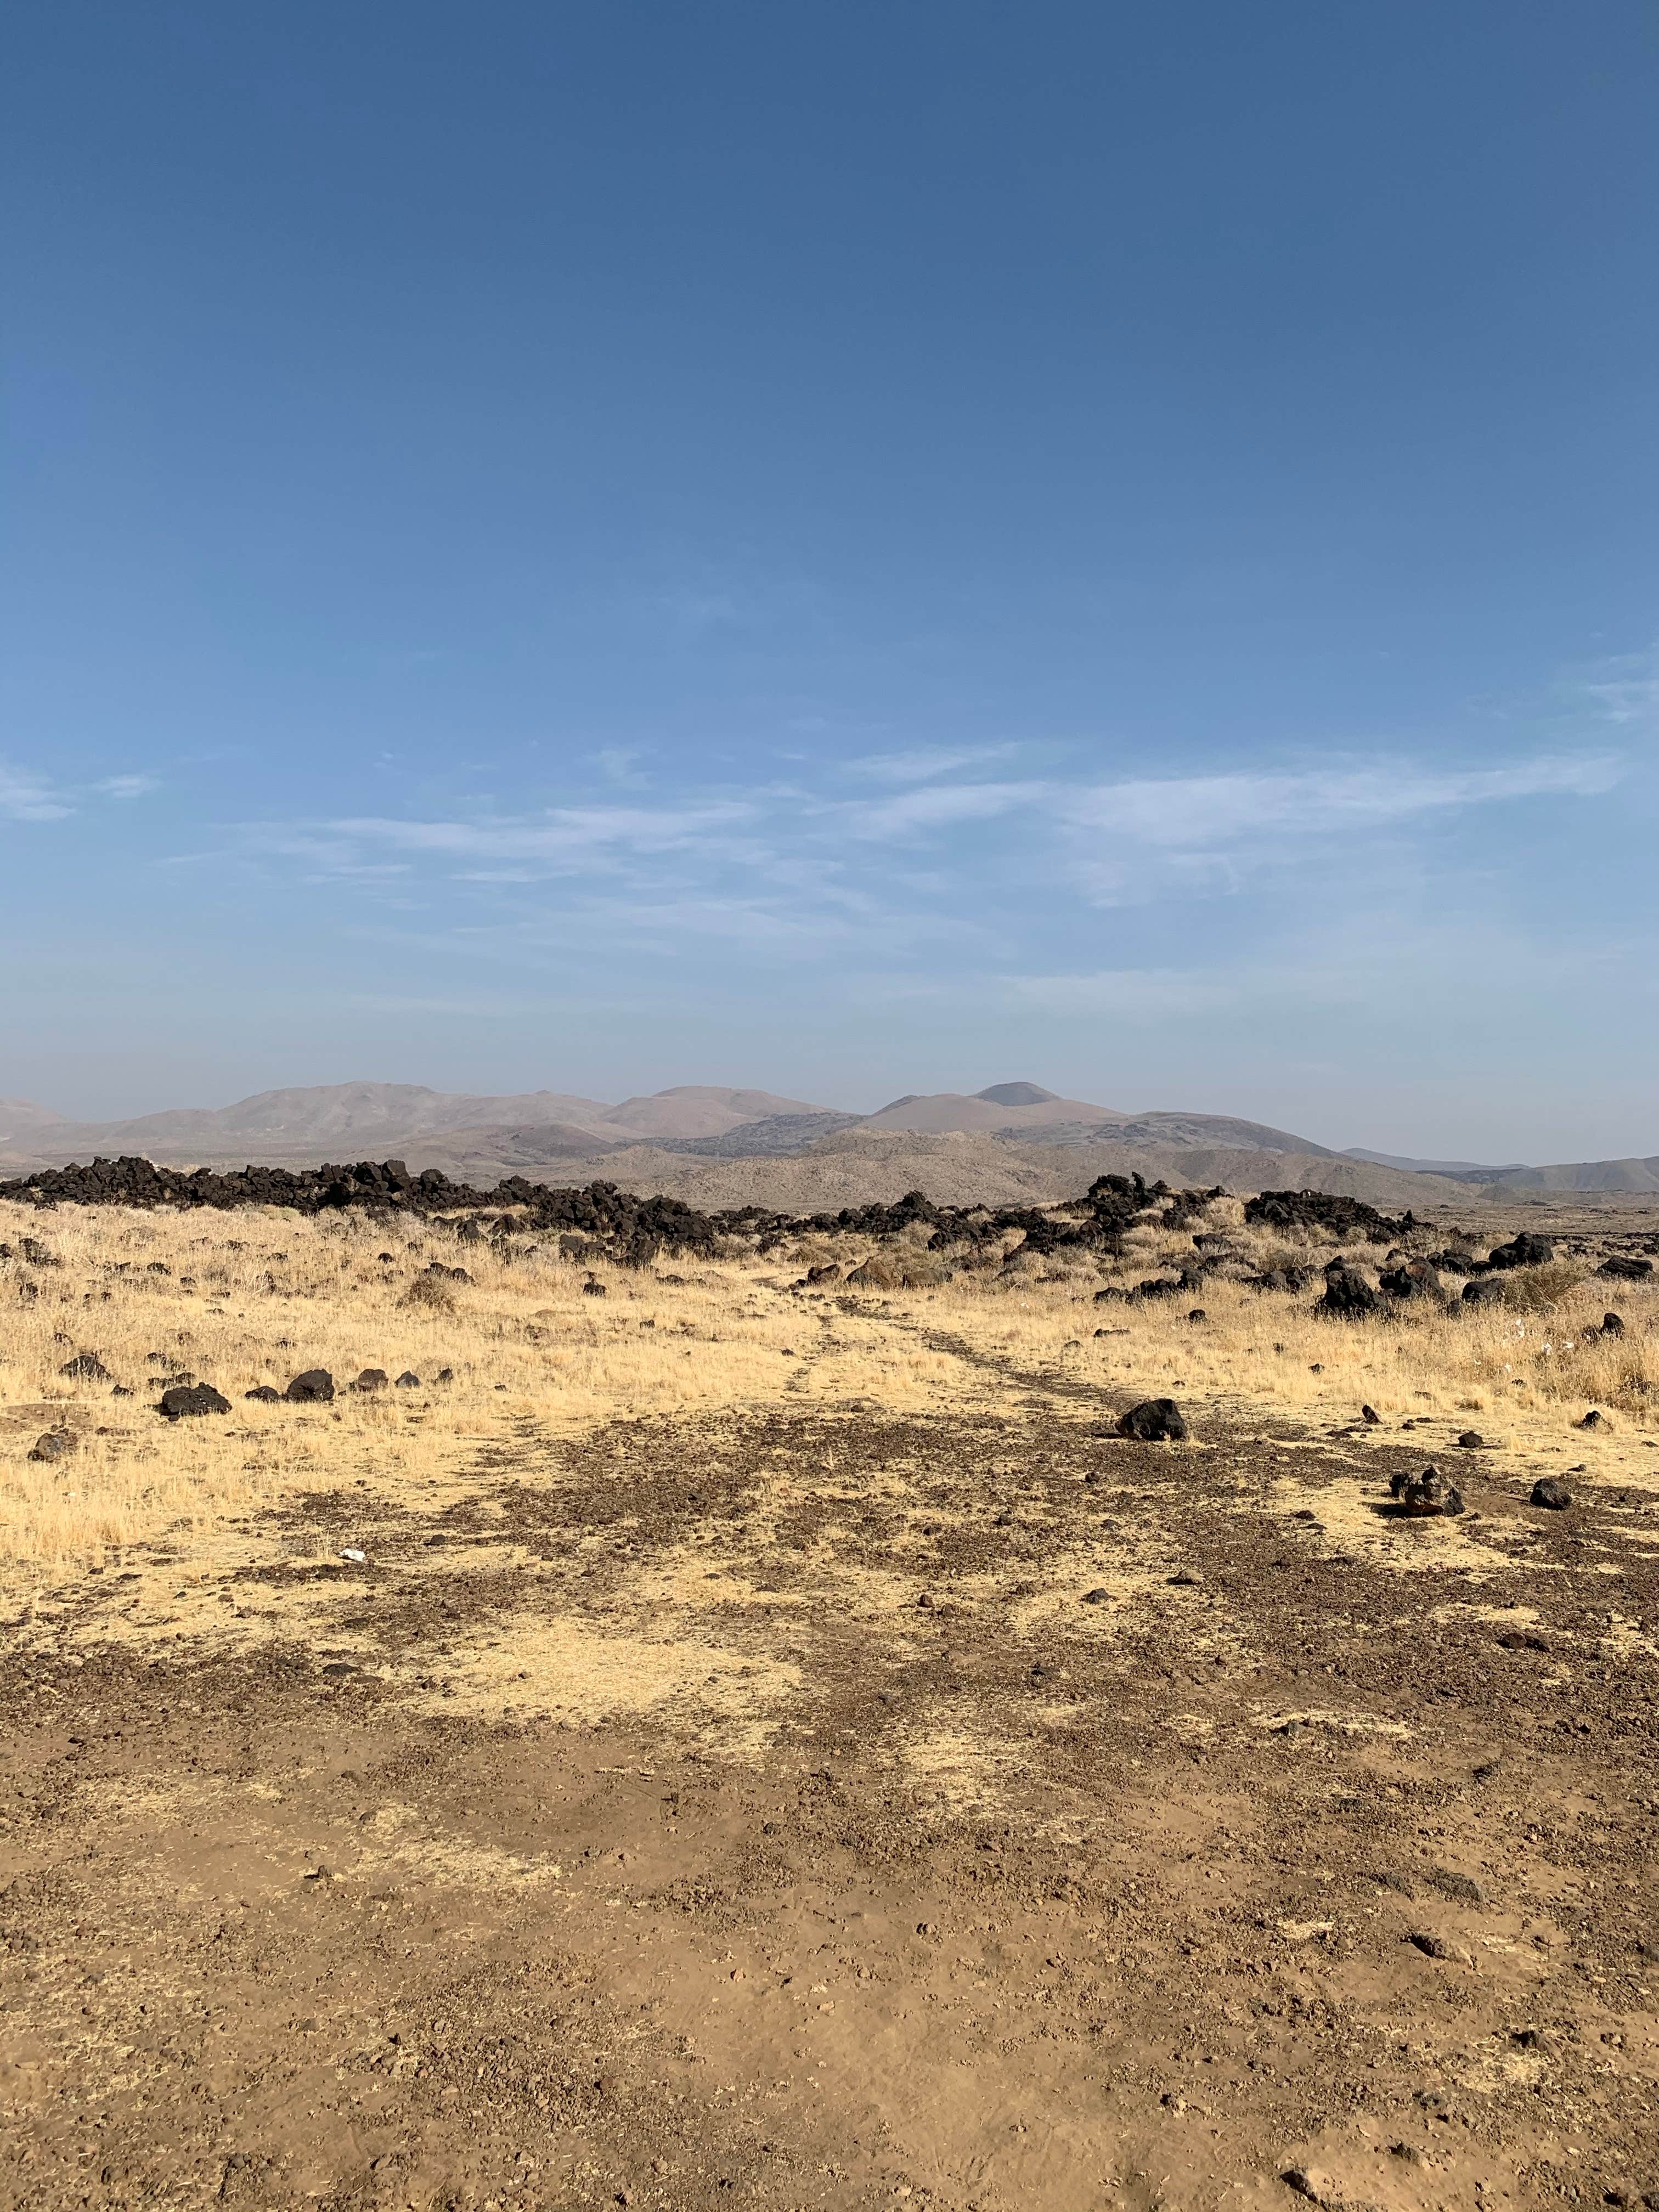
257 1296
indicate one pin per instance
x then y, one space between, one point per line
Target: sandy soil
826 1805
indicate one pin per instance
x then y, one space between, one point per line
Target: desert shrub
430 1291
1536 1289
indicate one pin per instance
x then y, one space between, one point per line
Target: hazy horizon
844 549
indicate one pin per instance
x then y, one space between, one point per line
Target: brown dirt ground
828 1807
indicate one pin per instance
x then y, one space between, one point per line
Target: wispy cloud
1204 814
27 798
922 763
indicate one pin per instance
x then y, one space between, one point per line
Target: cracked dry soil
827 1808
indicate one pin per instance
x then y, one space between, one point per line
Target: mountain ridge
664 1133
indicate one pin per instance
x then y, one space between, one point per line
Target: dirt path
820 1810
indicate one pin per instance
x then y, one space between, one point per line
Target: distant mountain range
673 1136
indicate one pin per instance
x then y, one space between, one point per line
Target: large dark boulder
1347 1294
314 1388
1153 1421
1525 1250
1548 1492
188 1398
1624 1270
1483 1291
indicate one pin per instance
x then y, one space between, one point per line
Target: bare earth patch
852 1778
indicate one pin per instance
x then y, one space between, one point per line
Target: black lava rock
1624 1270
314 1388
1418 1278
1155 1420
188 1398
407 1381
372 1378
1547 1490
1347 1294
265 1393
1525 1250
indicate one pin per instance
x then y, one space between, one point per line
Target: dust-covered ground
829 1801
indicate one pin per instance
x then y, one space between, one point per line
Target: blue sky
850 548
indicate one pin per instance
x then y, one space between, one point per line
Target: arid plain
721 1733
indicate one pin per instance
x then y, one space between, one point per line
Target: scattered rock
1547 1490
1422 1496
1371 1416
86 1367
592 1289
1525 1250
1346 1292
407 1381
1471 1440
372 1378
314 1388
1186 1579
186 1399
1154 1420
1418 1278
1613 1324
446 1375
1623 1270
1096 1596
1483 1291
265 1393
1522 1639
1592 1419
1198 1313
57 1444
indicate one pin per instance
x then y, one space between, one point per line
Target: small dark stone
1613 1324
265 1393
337 1669
1154 1420
1547 1490
1592 1419
1471 1440
121 1390
314 1388
1371 1416
1423 1496
1198 1313
372 1378
1483 1291
408 1381
187 1399
57 1444
591 1289
1097 1597
446 1375
86 1367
